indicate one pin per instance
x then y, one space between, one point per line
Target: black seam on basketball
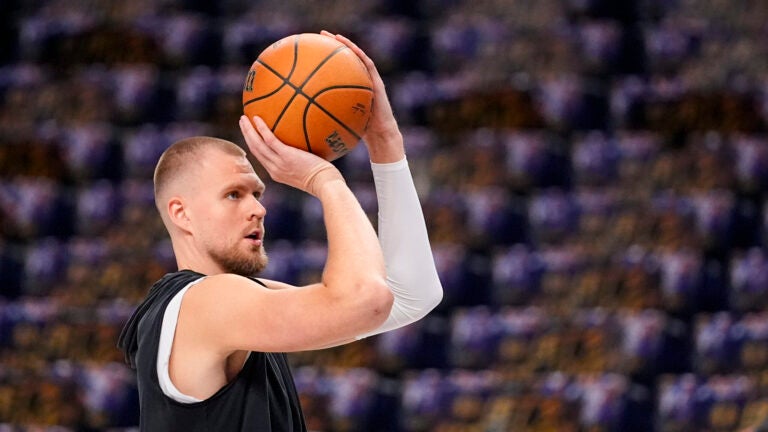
300 90
250 101
343 86
277 74
320 65
295 58
274 72
304 123
328 113
286 82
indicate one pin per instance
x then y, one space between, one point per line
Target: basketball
313 92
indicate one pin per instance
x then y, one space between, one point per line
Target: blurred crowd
593 174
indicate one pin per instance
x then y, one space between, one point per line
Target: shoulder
232 283
222 291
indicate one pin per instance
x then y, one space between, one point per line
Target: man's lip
256 233
255 236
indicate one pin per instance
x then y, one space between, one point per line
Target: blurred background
593 175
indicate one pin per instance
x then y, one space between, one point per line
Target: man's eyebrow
257 186
260 186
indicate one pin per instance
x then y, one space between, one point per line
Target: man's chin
246 267
253 268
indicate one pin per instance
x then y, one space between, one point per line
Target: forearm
386 147
354 253
410 268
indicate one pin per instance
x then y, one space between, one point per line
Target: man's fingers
350 44
246 127
274 145
256 140
358 51
262 129
257 131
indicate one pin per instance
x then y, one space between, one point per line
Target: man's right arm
352 297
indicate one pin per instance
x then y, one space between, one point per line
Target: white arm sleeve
411 273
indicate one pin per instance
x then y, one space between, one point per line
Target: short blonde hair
177 158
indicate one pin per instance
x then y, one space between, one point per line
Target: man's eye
233 195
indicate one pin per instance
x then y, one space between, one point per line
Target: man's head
207 194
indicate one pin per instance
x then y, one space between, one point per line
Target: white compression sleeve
411 273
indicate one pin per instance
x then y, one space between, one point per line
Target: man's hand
285 164
383 137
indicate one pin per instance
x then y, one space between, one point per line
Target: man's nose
257 209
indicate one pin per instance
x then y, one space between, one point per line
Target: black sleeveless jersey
261 398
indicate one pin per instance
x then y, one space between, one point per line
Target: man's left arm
410 267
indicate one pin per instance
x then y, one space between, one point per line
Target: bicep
234 313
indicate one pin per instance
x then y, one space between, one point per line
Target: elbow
432 298
378 303
435 296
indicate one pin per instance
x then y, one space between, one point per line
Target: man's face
228 219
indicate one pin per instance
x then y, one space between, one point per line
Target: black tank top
261 398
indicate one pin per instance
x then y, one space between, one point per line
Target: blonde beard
240 264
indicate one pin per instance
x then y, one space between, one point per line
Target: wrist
330 189
399 165
319 179
385 147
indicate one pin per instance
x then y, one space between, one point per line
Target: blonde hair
177 158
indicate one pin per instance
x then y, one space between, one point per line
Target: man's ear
177 213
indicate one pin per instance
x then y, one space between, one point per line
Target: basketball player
208 341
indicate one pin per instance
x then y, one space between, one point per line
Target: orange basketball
313 92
